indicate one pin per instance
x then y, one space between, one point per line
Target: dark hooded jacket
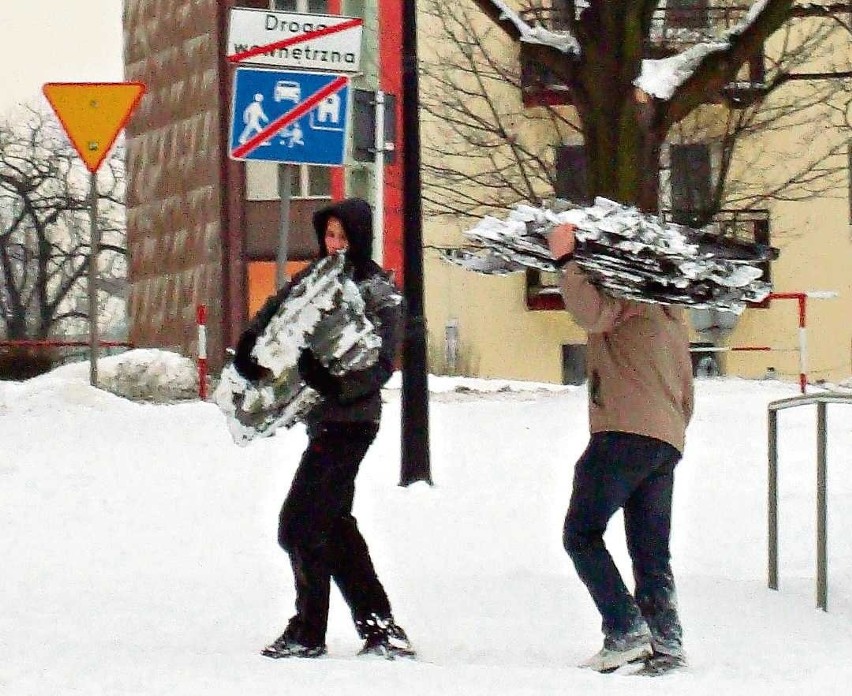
360 391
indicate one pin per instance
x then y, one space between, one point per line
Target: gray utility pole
95 244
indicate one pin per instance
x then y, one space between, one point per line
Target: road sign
292 117
292 40
93 114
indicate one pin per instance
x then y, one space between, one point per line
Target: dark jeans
321 536
634 472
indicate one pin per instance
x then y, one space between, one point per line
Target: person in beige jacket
640 402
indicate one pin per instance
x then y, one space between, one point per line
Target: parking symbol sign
289 117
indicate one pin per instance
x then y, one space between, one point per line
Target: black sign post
415 386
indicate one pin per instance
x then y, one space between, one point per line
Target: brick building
203 228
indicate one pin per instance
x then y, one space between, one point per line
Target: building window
310 182
691 183
762 236
262 282
310 6
572 181
543 290
306 181
687 14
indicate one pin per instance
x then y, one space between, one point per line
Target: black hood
356 216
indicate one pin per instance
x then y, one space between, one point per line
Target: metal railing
821 401
672 30
677 25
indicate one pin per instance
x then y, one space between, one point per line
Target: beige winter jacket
637 360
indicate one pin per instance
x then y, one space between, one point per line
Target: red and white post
802 299
201 320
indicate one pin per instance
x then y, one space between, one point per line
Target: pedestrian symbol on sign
254 118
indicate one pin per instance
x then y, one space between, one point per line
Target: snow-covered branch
517 29
706 68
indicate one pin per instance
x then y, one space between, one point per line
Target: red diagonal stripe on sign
296 112
301 38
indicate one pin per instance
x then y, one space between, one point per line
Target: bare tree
490 151
45 227
481 154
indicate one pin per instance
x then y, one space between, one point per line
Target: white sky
57 41
139 554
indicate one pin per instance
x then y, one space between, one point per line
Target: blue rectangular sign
289 117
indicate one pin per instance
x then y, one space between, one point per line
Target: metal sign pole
379 176
285 174
95 243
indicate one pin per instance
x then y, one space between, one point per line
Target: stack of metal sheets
625 252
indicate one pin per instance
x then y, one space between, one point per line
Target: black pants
623 470
321 536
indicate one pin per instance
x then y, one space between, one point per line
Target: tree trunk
623 152
622 125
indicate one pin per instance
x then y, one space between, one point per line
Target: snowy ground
139 555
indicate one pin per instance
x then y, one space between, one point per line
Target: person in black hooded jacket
316 526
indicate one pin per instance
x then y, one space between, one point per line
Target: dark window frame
687 14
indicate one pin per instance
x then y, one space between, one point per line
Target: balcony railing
672 31
683 26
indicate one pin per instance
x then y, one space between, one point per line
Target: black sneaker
286 646
388 642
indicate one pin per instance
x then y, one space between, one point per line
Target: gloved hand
245 363
317 375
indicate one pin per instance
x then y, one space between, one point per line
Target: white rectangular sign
294 40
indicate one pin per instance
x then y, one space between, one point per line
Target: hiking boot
668 648
383 638
286 646
621 649
662 663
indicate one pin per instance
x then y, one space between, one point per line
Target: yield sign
93 114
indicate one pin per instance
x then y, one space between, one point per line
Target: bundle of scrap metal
324 311
627 253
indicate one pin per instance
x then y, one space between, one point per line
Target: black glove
317 375
245 363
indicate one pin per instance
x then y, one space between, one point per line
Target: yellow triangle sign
93 114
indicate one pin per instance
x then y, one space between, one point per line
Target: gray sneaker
621 649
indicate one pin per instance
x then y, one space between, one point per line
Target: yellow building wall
498 337
814 234
815 240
